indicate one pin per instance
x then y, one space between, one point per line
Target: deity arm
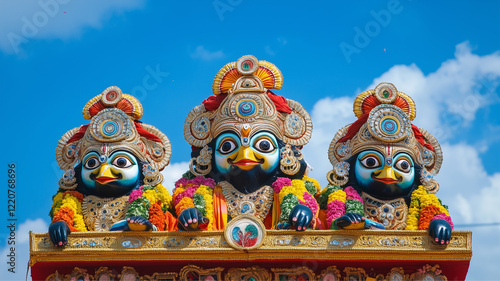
344 208
66 215
193 202
295 205
426 212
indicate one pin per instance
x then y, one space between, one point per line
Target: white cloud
172 173
328 115
201 53
21 249
22 21
447 100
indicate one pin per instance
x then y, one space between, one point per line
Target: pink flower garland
311 203
443 216
199 180
190 190
135 194
336 209
280 183
351 193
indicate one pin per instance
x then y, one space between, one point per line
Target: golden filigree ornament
289 163
201 165
257 203
242 89
114 125
384 122
101 213
391 213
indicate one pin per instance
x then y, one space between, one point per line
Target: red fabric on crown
279 102
420 138
78 135
213 102
145 133
354 128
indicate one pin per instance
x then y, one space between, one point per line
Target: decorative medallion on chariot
245 138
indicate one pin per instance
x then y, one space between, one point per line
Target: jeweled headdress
243 102
114 124
384 119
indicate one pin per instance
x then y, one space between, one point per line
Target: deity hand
191 219
58 232
138 223
300 217
350 221
440 231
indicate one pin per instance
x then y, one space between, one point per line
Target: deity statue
383 169
246 157
112 178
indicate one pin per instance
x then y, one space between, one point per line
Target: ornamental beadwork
388 123
101 213
257 203
391 213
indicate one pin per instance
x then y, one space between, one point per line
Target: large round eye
370 162
92 163
264 145
403 165
122 162
227 146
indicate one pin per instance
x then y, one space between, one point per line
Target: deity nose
105 171
245 153
387 173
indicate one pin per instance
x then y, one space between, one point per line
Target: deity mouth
386 180
105 180
245 163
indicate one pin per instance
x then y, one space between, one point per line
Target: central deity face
384 175
110 176
255 158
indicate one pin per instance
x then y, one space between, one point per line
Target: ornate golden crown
384 118
113 125
245 104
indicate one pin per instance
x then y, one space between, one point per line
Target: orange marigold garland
157 216
426 216
424 208
67 207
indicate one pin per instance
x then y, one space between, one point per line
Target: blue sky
57 55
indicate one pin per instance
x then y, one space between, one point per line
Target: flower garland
151 202
338 202
293 192
67 207
196 193
424 208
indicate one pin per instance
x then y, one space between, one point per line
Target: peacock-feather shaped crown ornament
384 122
244 103
114 125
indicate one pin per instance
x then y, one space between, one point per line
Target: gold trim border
278 244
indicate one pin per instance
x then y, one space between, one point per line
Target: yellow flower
337 195
284 191
150 194
79 224
208 208
57 198
315 182
163 195
178 190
